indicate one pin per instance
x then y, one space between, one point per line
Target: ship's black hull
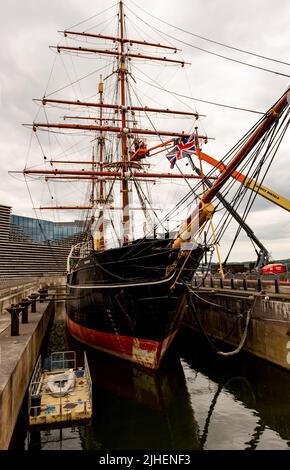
128 301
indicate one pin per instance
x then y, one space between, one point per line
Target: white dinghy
59 385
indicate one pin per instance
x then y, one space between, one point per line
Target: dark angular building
32 248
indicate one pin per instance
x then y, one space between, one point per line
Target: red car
275 268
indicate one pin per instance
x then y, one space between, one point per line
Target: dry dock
222 313
18 358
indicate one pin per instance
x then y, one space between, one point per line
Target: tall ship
127 276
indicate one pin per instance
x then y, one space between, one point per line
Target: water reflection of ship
136 408
260 386
134 383
139 409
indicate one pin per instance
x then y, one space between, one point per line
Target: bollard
245 283
259 284
33 298
24 304
195 282
203 281
221 283
232 283
211 282
45 292
14 311
42 294
277 289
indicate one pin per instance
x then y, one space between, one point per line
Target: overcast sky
261 26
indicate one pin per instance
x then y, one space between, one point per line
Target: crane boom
201 214
249 183
263 254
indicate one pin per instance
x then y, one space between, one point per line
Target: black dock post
259 284
232 283
24 304
42 294
33 298
14 311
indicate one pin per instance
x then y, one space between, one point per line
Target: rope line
212 345
212 41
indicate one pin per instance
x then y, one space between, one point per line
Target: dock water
195 401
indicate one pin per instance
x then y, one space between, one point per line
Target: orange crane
248 182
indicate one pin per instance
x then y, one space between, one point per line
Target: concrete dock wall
18 355
19 290
269 328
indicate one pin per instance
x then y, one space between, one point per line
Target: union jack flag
184 147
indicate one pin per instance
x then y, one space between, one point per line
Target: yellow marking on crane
263 191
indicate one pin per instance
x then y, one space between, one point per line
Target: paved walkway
4 322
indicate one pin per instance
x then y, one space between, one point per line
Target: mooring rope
212 345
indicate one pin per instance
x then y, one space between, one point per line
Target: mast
100 242
122 77
124 167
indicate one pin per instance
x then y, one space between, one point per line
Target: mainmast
119 169
122 77
99 241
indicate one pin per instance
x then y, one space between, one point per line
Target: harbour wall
18 355
222 316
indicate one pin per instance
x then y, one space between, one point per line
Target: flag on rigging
184 147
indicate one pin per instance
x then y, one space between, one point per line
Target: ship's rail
77 252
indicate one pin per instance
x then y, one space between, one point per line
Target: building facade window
26 229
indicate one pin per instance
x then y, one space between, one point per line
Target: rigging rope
275 138
91 17
211 40
237 108
211 52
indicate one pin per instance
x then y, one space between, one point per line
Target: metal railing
274 283
35 383
61 360
89 378
78 251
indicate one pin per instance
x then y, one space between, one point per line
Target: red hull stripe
142 351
